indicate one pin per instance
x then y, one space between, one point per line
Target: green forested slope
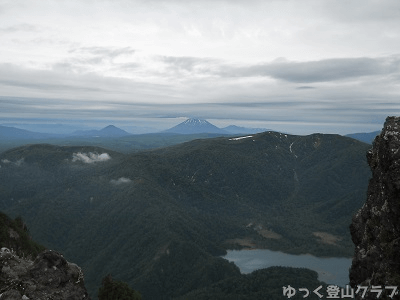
159 219
260 285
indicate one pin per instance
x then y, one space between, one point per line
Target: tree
117 290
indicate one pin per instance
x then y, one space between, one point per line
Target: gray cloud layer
299 72
363 90
327 70
20 27
135 59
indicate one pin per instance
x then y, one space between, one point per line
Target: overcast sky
299 66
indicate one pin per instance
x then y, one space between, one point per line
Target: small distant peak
112 130
110 127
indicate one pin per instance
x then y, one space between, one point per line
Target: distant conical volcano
191 126
109 131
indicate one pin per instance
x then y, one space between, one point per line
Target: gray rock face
49 276
375 229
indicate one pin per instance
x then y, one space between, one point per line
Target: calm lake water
330 270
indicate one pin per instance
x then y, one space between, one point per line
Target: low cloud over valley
90 157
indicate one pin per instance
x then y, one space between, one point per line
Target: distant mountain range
366 137
11 133
16 131
54 128
192 126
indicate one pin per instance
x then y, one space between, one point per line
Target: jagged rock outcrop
49 276
375 229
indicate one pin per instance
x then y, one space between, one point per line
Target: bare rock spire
375 229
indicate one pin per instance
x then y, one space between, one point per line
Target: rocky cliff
49 276
375 229
28 271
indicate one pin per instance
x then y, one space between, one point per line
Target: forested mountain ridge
123 143
159 219
275 171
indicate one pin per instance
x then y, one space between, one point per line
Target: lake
332 270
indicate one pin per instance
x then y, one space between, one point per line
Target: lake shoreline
332 270
259 248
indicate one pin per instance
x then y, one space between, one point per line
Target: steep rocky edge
375 229
48 276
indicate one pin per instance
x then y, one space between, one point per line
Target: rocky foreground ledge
375 229
49 276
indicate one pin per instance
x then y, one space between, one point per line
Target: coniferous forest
160 219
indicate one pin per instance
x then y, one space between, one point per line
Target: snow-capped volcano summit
195 122
191 126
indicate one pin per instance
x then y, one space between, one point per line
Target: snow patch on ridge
120 180
291 150
240 138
